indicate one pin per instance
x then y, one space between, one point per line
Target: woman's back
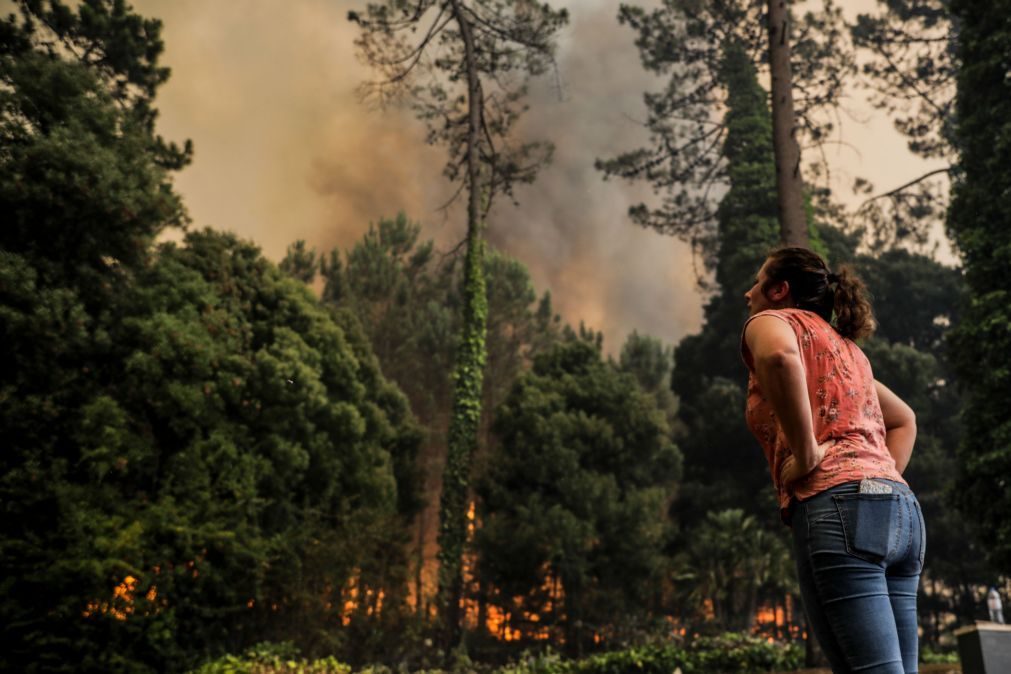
844 406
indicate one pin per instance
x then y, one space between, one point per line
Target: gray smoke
285 151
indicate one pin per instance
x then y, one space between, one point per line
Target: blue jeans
859 558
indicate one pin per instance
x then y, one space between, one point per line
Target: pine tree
685 42
196 454
910 64
470 106
572 505
708 373
979 224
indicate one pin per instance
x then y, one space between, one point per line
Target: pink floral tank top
844 403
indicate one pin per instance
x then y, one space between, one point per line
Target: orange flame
122 605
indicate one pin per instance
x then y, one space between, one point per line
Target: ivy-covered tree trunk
468 375
461 47
980 223
789 185
468 378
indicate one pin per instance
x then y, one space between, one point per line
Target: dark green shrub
646 659
270 658
725 654
734 652
932 657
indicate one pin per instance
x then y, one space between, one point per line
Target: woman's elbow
777 360
909 419
906 423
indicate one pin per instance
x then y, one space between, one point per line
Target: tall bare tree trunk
789 185
468 374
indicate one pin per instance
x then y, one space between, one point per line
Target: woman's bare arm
781 376
900 426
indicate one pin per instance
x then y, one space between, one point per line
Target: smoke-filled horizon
285 150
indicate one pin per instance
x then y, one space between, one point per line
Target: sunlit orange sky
285 150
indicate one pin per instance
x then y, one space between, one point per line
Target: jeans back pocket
870 524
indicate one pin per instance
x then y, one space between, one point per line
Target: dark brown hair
814 288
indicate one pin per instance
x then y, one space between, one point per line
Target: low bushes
725 654
273 659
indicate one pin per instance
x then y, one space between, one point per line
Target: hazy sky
285 151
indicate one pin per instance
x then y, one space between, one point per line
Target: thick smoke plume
285 150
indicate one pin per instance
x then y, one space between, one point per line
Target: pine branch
900 188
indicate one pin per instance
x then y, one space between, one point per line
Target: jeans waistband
854 488
844 488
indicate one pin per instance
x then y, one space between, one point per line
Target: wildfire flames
513 625
122 605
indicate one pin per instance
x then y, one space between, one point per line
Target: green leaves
978 222
227 430
282 658
912 69
709 376
575 495
703 50
468 380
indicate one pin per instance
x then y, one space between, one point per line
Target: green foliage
689 43
236 452
708 376
72 153
574 496
405 302
913 38
267 658
468 379
729 653
932 657
978 222
726 654
407 299
910 62
474 60
742 653
196 454
916 299
84 188
734 563
647 359
300 263
646 659
748 223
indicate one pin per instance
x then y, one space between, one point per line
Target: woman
837 442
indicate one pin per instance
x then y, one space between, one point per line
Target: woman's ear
779 291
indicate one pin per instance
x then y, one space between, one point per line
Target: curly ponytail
854 318
814 288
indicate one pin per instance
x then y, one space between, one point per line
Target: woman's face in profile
757 301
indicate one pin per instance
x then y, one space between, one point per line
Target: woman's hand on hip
791 470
